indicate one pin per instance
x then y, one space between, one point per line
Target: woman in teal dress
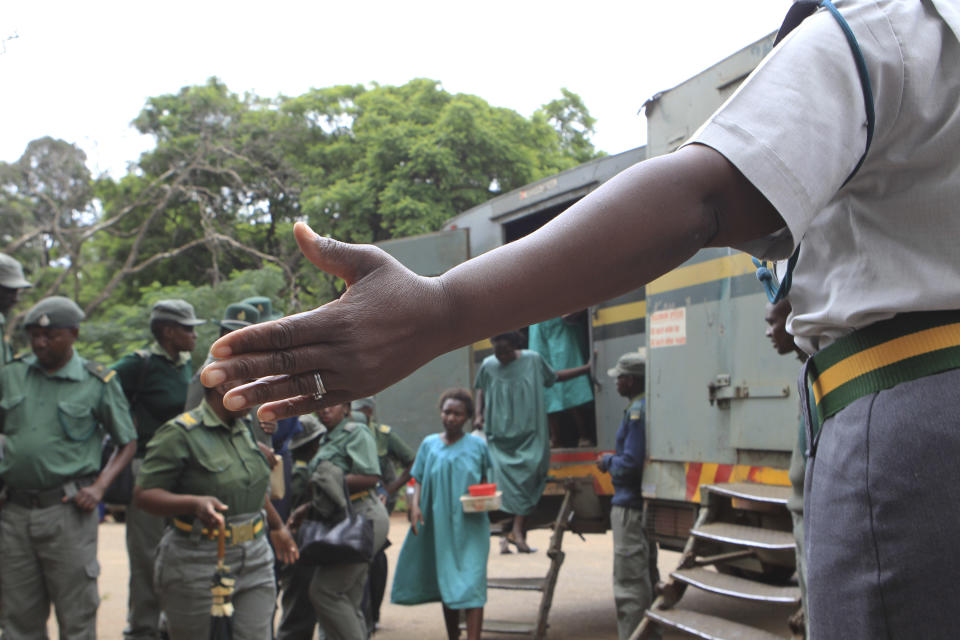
444 556
512 412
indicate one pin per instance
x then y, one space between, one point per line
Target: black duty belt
44 498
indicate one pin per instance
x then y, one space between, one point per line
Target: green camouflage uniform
199 454
54 424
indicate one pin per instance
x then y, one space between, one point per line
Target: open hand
354 344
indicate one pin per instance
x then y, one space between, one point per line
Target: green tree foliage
122 327
395 161
229 174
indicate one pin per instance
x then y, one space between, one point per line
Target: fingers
299 405
347 261
274 388
269 348
350 262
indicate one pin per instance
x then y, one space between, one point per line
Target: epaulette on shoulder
350 427
99 371
21 355
186 420
384 428
143 353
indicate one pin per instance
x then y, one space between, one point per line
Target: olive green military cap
179 311
630 364
264 307
11 273
363 403
55 312
312 429
239 315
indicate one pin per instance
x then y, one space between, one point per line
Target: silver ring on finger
321 390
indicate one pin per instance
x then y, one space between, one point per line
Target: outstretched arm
637 226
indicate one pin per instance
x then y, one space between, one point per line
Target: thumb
347 261
219 506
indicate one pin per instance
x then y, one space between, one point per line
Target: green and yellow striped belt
906 347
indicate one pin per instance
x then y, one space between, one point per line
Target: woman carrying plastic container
444 556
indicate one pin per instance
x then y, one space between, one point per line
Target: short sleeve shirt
351 447
885 243
55 422
197 453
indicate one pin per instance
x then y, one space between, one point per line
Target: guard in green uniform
336 591
298 621
11 282
393 452
54 410
155 382
202 469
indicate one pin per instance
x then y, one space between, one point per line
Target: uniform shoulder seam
100 372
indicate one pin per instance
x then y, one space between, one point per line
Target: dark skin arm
283 543
639 225
161 502
566 374
392 487
89 497
478 419
358 482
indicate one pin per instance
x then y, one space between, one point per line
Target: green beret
239 315
179 311
264 307
55 312
11 273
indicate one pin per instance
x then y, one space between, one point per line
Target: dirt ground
582 607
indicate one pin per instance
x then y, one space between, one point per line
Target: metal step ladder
741 546
545 585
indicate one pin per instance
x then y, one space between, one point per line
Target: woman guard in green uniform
336 590
203 469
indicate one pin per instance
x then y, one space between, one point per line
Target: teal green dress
560 344
515 422
447 560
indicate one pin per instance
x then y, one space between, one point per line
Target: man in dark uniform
11 282
155 382
635 558
54 410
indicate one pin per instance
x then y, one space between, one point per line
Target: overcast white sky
82 70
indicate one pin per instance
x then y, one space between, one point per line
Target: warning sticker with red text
668 328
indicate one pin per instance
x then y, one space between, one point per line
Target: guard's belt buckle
240 533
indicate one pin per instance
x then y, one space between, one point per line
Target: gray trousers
634 569
881 516
49 556
297 620
336 593
182 576
143 533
